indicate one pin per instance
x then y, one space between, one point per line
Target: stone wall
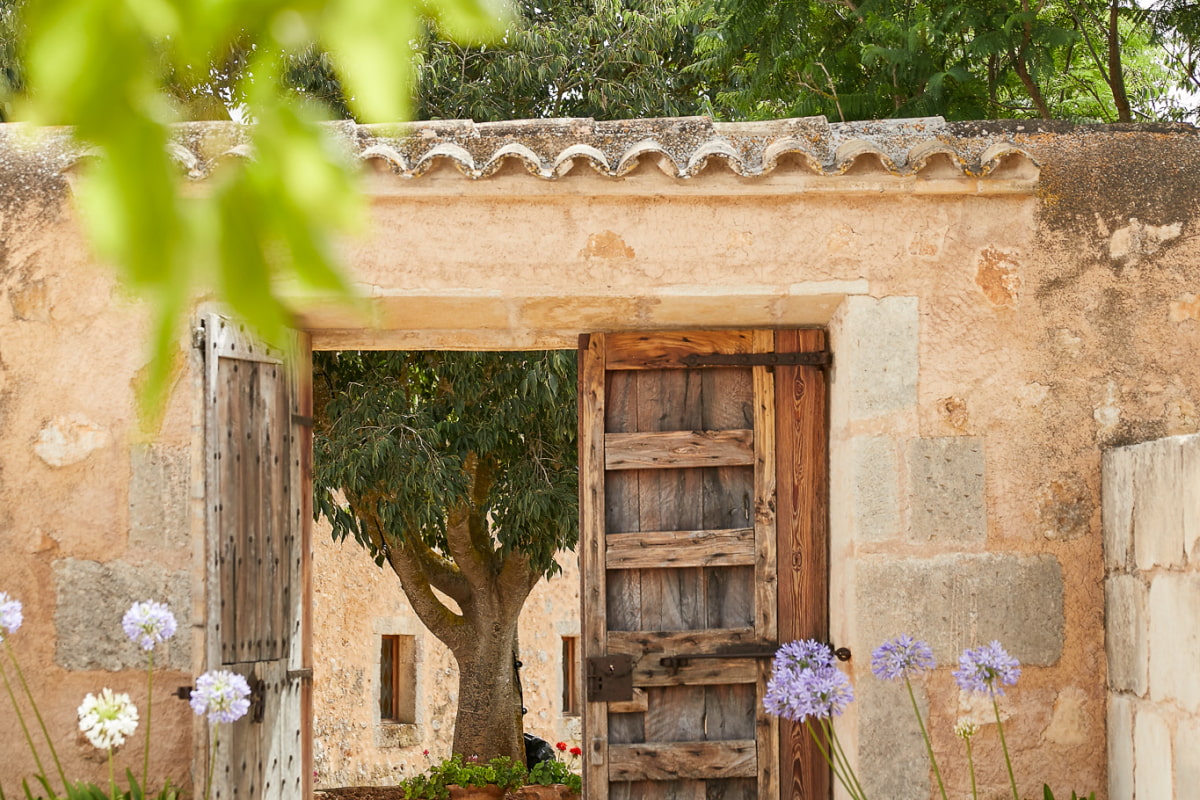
1152 603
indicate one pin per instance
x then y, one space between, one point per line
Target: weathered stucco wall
1152 591
95 514
992 334
355 603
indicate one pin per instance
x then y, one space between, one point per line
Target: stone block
1157 504
158 497
891 754
1126 628
1175 639
876 495
946 483
92 598
877 354
1120 747
1152 771
963 600
1187 753
1117 507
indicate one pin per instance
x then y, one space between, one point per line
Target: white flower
10 615
965 728
106 720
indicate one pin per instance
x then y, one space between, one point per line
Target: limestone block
158 497
963 600
946 483
1187 754
1120 747
1175 639
91 600
1157 506
1126 633
876 499
1117 506
68 440
891 754
1152 774
877 354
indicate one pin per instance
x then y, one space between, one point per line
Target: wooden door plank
664 349
593 613
300 643
680 548
666 642
686 760
678 449
802 538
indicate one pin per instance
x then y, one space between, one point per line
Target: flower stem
925 736
149 708
21 719
1004 746
41 722
836 747
971 769
212 760
837 773
112 778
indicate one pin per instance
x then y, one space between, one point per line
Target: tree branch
447 626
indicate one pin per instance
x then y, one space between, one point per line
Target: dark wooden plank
671 642
679 449
680 548
664 349
802 536
675 760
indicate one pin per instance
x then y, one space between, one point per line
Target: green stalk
971 769
112 778
21 719
212 760
836 746
837 771
925 736
41 722
1004 746
149 707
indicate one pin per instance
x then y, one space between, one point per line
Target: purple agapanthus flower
902 657
146 624
986 669
223 695
10 615
802 655
819 691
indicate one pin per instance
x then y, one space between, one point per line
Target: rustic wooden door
683 437
257 449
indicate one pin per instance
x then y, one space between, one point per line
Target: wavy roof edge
680 146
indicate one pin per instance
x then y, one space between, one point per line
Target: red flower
424 752
575 751
561 746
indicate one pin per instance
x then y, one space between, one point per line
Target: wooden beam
679 449
682 760
664 349
719 548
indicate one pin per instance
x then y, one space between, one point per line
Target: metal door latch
610 679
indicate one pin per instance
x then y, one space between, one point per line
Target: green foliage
503 772
407 437
1049 795
119 72
548 773
83 790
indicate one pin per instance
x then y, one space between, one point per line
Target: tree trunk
488 722
1116 71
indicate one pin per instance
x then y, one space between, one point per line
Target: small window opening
570 676
397 679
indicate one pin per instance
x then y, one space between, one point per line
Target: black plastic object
537 750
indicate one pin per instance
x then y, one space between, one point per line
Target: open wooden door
257 449
681 533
